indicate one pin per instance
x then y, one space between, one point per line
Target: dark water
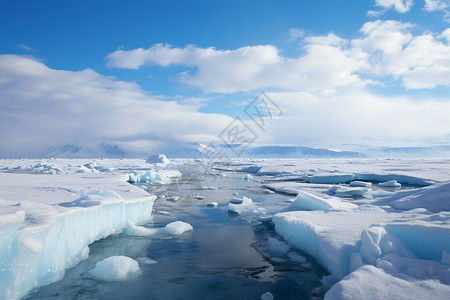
225 257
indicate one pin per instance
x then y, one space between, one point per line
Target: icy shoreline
47 222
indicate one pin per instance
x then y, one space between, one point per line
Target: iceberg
158 159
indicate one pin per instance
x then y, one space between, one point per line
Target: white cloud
295 34
41 107
400 6
434 5
326 64
421 61
438 5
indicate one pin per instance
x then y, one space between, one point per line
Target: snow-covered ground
380 227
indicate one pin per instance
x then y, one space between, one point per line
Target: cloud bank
41 107
383 49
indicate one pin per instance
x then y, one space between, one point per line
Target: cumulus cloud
421 61
326 64
434 5
41 107
400 6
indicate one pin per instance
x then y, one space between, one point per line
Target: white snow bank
369 282
47 231
158 159
152 176
307 201
115 268
172 229
434 198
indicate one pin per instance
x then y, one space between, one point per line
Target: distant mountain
78 150
297 152
438 151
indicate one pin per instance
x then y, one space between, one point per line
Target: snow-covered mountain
77 149
298 152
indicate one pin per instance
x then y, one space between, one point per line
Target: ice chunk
172 229
152 176
390 183
158 159
146 261
331 237
401 178
358 183
267 296
330 178
246 207
412 268
277 248
115 268
435 198
248 177
369 282
307 201
177 228
342 191
212 204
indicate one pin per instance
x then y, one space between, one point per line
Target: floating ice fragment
146 261
115 268
296 258
245 207
212 204
172 229
358 183
390 183
267 296
277 248
248 177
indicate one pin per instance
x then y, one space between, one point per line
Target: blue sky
146 65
